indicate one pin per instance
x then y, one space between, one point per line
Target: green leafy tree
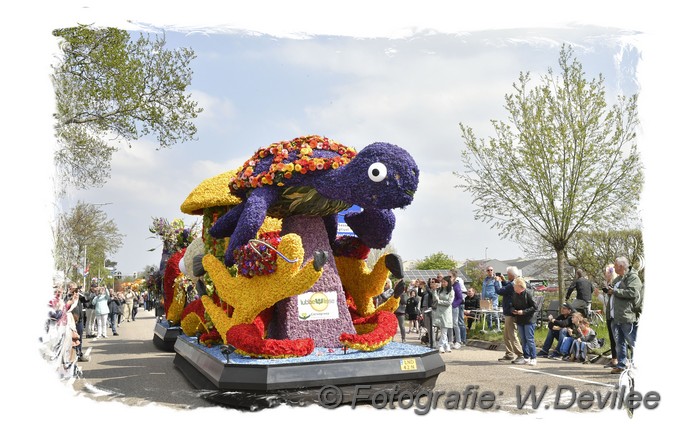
569 161
592 251
84 232
109 87
436 261
475 271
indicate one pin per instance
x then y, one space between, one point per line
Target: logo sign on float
318 306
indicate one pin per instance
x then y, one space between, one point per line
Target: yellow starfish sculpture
250 296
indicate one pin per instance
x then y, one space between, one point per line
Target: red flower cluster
350 247
258 261
290 157
195 307
210 338
171 273
247 338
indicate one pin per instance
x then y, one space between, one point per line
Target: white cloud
214 108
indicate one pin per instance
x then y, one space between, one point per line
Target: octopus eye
377 172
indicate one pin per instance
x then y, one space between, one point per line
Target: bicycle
595 318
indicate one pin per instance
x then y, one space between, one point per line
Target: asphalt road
129 369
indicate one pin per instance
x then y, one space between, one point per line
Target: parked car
550 287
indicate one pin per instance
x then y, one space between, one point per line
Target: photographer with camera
77 300
607 301
490 286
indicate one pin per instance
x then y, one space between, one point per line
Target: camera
499 275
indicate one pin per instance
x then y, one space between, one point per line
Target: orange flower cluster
290 157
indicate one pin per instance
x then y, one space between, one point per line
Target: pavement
128 368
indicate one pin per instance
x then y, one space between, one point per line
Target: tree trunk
560 273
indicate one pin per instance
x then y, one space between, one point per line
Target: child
584 338
413 310
567 335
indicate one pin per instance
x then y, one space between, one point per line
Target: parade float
285 305
166 285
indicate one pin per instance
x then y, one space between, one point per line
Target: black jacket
584 289
114 305
413 306
524 301
472 303
506 291
562 321
426 301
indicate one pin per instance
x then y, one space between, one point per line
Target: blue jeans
456 329
552 335
112 319
579 350
461 324
562 348
526 337
491 317
625 335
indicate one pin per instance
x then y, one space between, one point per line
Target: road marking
563 376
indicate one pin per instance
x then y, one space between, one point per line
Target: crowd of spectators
74 314
443 306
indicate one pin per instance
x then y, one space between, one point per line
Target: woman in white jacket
442 313
101 310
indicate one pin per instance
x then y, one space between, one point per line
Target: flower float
306 182
175 237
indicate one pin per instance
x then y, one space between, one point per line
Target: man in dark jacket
471 304
584 293
116 304
555 325
513 348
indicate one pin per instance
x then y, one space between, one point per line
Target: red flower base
248 340
210 338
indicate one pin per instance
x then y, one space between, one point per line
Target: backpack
463 289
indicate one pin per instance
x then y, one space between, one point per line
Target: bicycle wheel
627 380
595 318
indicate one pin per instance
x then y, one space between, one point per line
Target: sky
413 92
357 73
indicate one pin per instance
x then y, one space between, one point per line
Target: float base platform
250 383
164 335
